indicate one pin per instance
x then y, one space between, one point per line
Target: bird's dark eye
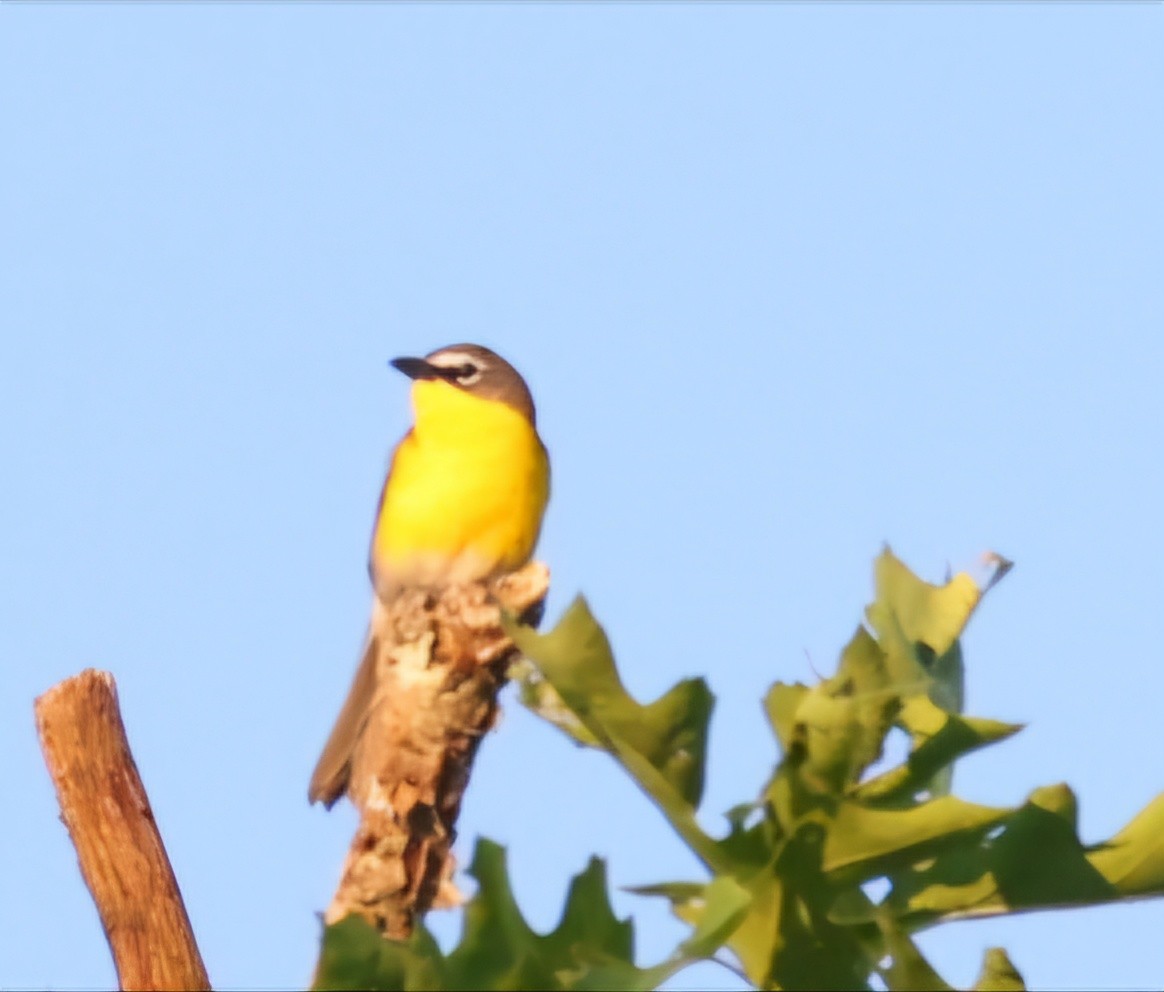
466 371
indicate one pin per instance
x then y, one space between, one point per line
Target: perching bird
463 501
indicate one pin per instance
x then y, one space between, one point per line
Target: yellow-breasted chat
463 501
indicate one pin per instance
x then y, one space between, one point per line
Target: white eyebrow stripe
450 359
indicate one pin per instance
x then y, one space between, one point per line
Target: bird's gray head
474 369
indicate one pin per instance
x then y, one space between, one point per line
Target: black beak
416 368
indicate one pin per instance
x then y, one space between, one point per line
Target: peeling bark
441 659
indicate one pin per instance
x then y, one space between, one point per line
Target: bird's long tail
329 781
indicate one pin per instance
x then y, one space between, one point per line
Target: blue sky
787 282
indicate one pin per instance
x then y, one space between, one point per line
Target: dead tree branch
440 664
108 816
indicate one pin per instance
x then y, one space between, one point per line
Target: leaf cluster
786 893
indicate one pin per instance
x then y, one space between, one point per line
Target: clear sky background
787 282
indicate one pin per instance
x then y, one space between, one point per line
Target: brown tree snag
440 664
108 816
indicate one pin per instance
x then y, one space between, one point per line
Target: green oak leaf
1133 860
355 956
498 949
1035 861
834 730
781 704
662 745
863 842
917 611
538 696
938 739
917 626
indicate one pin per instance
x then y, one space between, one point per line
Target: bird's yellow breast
465 493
